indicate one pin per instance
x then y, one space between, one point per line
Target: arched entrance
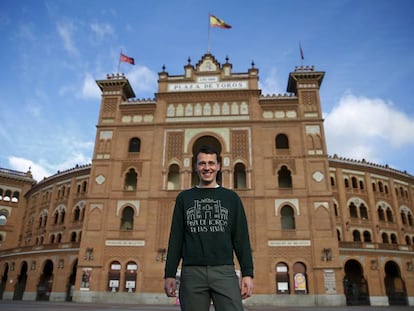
394 285
355 285
44 288
21 282
204 141
71 282
4 277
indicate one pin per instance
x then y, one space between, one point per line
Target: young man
209 225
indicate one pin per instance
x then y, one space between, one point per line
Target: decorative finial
227 59
189 60
163 67
252 64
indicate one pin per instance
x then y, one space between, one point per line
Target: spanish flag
217 22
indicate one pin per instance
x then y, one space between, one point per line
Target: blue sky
53 51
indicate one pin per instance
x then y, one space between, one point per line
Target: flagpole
119 61
208 36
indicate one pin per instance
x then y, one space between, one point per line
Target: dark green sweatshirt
208 224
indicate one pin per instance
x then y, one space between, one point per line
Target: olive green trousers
201 285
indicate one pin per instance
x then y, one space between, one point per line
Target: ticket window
131 277
282 279
114 276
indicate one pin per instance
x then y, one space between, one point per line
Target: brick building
324 230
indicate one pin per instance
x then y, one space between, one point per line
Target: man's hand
170 286
246 287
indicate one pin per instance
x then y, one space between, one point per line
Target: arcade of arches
324 230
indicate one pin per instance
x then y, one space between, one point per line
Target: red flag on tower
127 59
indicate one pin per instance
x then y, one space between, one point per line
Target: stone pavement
11 305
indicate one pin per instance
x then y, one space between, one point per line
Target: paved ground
9 305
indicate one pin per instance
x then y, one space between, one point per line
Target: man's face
207 168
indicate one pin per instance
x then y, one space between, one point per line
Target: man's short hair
208 150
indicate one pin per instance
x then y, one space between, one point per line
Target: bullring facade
325 230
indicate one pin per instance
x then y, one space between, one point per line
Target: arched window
361 185
285 177
390 218
76 213
354 182
7 196
363 211
131 277
84 186
239 176
15 197
384 237
332 181
282 278
131 180
403 218
357 236
173 177
3 217
114 276
394 239
407 240
338 235
346 182
353 210
63 192
44 218
300 278
62 216
127 220
56 215
381 215
410 219
134 145
380 187
367 236
288 218
282 141
73 237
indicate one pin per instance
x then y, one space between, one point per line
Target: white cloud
42 169
24 165
102 30
143 81
73 160
89 88
272 84
366 128
65 31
